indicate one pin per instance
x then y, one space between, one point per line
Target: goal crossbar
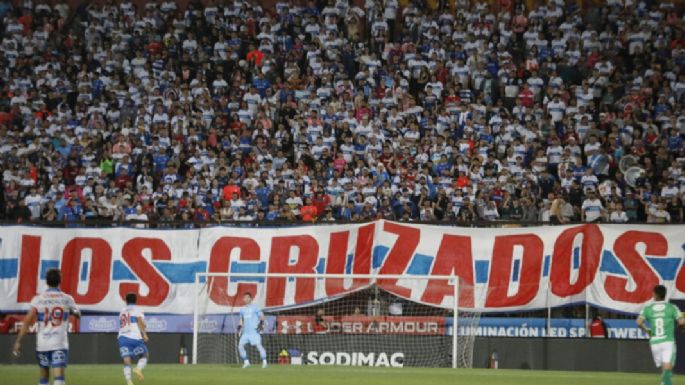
452 278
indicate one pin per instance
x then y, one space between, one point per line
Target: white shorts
663 353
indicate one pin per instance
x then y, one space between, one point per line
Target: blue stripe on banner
9 268
321 266
420 264
246 268
121 272
482 271
666 267
348 263
545 266
610 264
576 257
47 265
379 254
173 272
515 271
181 272
84 271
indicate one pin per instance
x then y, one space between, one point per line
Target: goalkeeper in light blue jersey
251 324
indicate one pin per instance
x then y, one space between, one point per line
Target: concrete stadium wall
566 354
514 353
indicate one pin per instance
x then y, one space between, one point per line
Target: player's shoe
129 382
246 365
139 374
263 365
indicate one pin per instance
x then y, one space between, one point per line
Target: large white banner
502 269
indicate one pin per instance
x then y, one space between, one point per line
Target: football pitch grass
323 375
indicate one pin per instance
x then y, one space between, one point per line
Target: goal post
336 319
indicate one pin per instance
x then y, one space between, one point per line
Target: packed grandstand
322 111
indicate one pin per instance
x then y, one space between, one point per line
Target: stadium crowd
330 111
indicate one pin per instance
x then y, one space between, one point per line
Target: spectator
321 325
631 206
617 214
659 214
20 212
598 328
72 211
544 211
556 214
137 216
490 211
49 213
675 209
308 211
592 209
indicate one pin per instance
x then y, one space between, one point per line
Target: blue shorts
53 358
252 339
129 347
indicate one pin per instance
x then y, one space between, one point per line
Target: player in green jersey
662 317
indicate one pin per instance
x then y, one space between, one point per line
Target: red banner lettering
636 266
279 262
454 258
501 270
28 268
100 269
399 256
158 287
337 259
219 262
562 258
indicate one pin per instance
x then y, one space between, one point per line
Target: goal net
380 321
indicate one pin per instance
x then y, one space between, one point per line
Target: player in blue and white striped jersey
51 310
132 338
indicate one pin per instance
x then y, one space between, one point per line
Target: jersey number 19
53 316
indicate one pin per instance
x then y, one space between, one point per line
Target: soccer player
662 318
251 323
132 338
51 309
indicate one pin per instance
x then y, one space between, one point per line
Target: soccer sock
142 363
127 372
44 381
243 353
666 377
59 380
